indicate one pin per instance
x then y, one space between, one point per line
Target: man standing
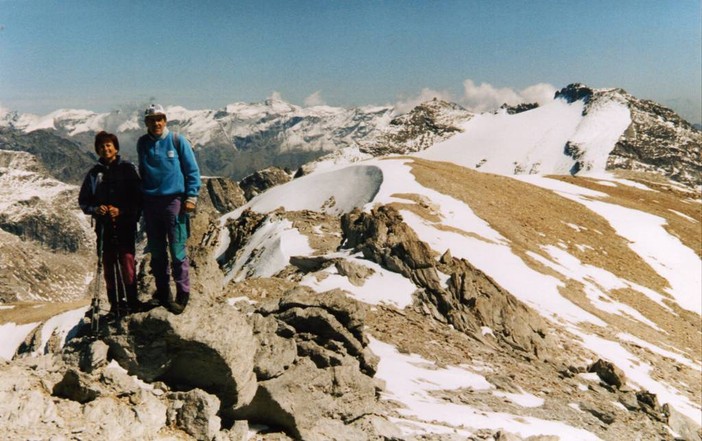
170 183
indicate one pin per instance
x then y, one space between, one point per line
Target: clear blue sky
104 54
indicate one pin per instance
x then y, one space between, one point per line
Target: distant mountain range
242 138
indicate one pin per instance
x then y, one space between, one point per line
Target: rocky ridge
657 139
522 348
420 128
62 158
47 242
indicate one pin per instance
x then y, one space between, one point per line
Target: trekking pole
95 302
120 294
120 287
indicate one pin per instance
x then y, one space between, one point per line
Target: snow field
490 252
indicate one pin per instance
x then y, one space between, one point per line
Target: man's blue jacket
168 168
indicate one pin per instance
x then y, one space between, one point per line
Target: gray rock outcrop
262 180
608 373
210 348
471 300
195 412
313 366
223 194
423 126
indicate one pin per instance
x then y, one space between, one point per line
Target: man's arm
191 173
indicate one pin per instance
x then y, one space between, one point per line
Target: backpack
176 141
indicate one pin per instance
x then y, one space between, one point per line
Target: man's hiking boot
181 301
176 308
182 298
134 305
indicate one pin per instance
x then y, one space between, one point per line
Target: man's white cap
153 110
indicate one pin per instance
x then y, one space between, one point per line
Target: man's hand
188 207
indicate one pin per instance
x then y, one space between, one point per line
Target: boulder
322 385
356 273
224 194
648 403
684 426
95 356
276 351
208 347
350 313
195 412
329 321
76 386
305 400
609 373
24 404
238 432
109 418
262 180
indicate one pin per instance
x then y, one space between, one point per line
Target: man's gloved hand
189 206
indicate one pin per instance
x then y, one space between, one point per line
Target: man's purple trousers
167 229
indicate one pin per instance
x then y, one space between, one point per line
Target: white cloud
485 97
315 100
425 95
540 93
276 96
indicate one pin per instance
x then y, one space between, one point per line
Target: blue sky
106 54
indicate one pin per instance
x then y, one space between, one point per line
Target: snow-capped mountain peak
582 130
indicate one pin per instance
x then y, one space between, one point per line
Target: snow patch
269 250
382 286
410 379
11 336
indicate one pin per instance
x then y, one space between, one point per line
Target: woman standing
111 193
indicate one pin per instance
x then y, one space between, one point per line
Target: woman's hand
113 211
109 210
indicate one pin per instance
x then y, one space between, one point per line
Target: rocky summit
526 274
